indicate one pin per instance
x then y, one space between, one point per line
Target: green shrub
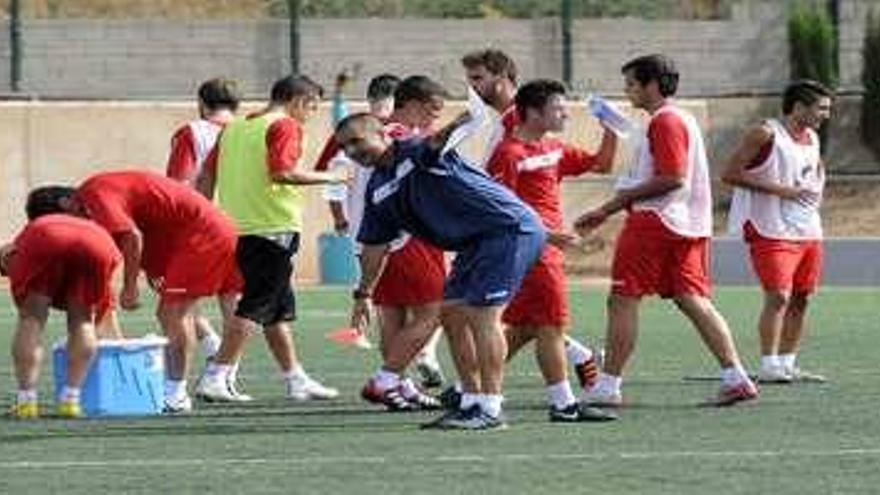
812 45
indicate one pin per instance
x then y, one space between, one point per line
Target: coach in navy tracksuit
455 206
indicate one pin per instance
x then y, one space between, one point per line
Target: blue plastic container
126 378
337 260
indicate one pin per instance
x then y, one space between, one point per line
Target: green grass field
801 439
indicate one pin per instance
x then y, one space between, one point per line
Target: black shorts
266 266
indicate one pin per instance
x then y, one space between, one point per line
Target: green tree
871 81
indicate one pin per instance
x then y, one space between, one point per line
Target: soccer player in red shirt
778 178
493 76
532 164
185 246
218 99
62 262
410 289
664 245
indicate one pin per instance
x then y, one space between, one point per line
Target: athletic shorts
490 271
785 265
541 299
267 267
651 259
79 276
413 276
194 266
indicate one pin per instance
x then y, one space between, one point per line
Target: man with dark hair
778 179
664 245
493 76
258 178
178 238
410 289
380 94
533 164
218 99
438 197
63 262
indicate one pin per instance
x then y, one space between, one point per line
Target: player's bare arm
657 186
736 170
298 177
607 149
372 261
131 245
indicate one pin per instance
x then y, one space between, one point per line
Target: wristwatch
360 293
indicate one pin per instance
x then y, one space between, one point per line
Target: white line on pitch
490 459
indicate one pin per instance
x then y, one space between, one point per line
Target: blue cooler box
337 259
127 377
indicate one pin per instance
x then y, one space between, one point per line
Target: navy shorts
489 272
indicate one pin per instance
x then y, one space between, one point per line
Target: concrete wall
155 59
46 142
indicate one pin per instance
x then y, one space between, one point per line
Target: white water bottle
337 192
609 115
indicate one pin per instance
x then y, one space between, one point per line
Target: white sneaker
178 405
602 398
214 389
304 389
773 374
239 396
803 376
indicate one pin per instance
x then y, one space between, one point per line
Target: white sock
787 361
469 400
559 395
296 374
608 384
209 343
26 395
218 371
232 377
769 362
491 404
174 388
458 388
576 352
733 375
408 388
69 394
386 380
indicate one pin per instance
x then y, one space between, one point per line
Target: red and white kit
533 170
188 244
784 236
664 245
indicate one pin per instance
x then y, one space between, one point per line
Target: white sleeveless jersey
204 133
687 211
790 164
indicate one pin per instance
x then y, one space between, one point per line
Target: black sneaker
577 413
450 398
431 374
443 421
475 419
